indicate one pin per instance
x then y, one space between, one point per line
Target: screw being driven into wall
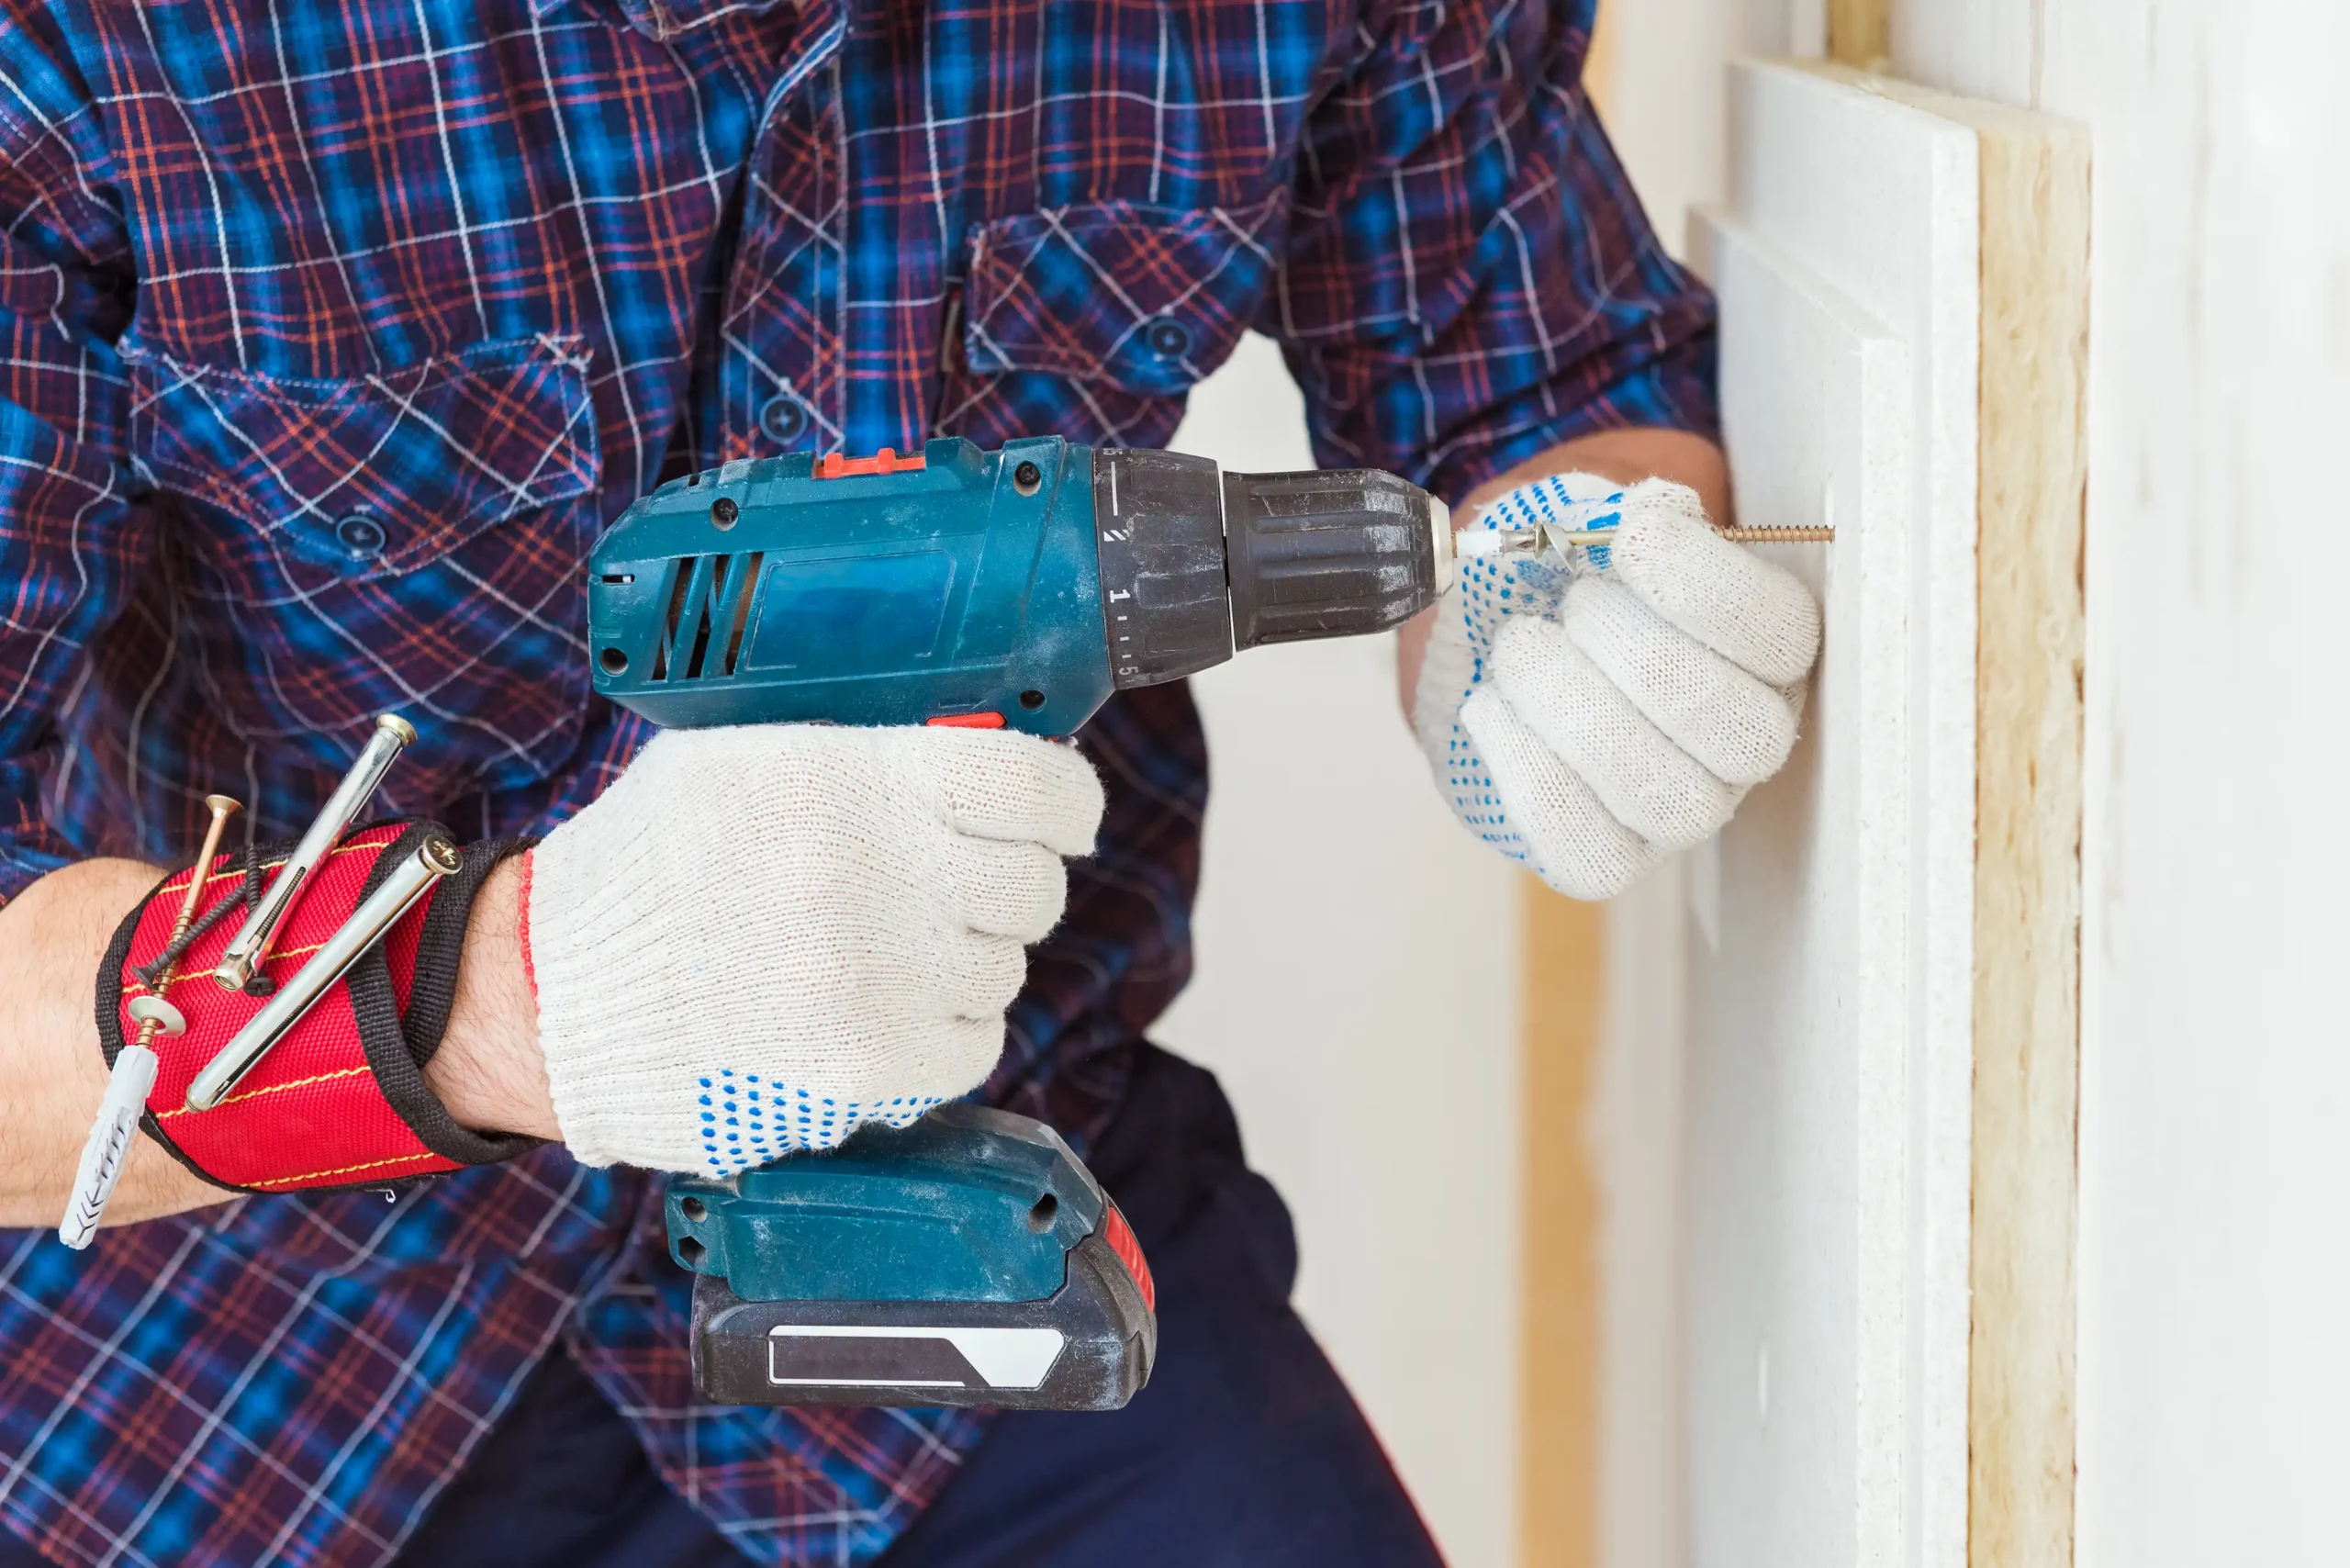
1500 540
1778 535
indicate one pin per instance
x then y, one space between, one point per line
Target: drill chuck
1334 552
1196 564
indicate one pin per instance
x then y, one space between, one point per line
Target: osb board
2032 491
1559 1389
2028 854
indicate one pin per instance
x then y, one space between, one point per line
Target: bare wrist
487 1071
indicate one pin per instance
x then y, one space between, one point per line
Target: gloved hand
1589 717
759 938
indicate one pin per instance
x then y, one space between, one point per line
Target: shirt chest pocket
410 541
1128 297
366 478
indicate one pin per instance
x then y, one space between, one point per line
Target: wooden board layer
2028 857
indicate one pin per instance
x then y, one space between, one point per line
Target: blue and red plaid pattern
335 333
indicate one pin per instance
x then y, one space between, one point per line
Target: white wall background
2215 1064
2215 1080
1357 992
1665 64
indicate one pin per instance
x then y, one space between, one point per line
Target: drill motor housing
1017 587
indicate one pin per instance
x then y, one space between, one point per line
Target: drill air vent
710 599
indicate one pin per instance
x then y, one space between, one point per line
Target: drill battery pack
967 1260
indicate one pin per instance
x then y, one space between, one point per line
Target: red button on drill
967 721
832 465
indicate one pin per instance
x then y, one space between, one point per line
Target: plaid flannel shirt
335 333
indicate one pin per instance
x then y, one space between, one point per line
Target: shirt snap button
1167 338
784 418
361 534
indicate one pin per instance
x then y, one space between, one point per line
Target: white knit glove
1590 716
759 938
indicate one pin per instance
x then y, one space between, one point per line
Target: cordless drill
969 1258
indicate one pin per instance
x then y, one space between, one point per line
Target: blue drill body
969 1258
881 597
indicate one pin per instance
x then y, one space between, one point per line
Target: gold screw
222 809
1735 535
1777 536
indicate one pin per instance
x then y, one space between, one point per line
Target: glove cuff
341 1102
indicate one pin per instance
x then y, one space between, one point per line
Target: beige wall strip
1562 965
1599 60
1559 1389
1858 33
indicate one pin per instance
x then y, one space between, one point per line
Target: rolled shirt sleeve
1470 278
72 537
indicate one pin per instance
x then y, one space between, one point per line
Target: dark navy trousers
1244 1451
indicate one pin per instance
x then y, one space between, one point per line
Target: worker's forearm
53 939
1627 455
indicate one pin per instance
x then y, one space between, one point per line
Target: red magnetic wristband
341 1101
